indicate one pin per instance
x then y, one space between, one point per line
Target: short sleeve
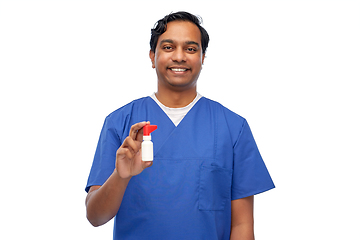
105 155
250 175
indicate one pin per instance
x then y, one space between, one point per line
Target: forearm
103 203
242 219
242 232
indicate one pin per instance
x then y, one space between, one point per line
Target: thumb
147 164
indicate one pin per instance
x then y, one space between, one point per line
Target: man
206 165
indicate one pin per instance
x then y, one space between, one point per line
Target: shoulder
229 122
228 114
119 120
127 109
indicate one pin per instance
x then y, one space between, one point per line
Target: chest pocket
215 188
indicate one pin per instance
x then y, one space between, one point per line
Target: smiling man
178 60
206 169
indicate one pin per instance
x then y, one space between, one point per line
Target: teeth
178 69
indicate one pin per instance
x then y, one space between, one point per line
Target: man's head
161 25
178 46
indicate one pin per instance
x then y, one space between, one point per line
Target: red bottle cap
149 129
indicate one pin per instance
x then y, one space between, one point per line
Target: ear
203 58
152 57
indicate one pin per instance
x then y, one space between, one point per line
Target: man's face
178 56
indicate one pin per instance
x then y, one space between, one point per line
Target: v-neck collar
199 96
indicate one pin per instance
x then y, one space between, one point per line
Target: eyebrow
192 42
166 41
187 42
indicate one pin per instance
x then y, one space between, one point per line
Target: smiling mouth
179 70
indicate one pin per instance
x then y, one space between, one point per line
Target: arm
242 219
103 202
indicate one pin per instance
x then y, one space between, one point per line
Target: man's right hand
128 156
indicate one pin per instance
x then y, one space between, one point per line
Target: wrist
120 177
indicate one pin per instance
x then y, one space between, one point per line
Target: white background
291 68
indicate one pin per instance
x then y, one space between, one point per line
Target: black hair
161 25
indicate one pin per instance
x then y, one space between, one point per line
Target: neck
173 99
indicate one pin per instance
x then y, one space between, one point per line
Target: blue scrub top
209 159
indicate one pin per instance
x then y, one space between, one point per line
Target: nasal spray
147 145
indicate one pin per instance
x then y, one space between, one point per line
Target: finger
135 129
140 133
130 144
125 153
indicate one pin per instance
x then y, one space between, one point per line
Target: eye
191 49
167 48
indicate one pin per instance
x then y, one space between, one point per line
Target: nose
178 55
